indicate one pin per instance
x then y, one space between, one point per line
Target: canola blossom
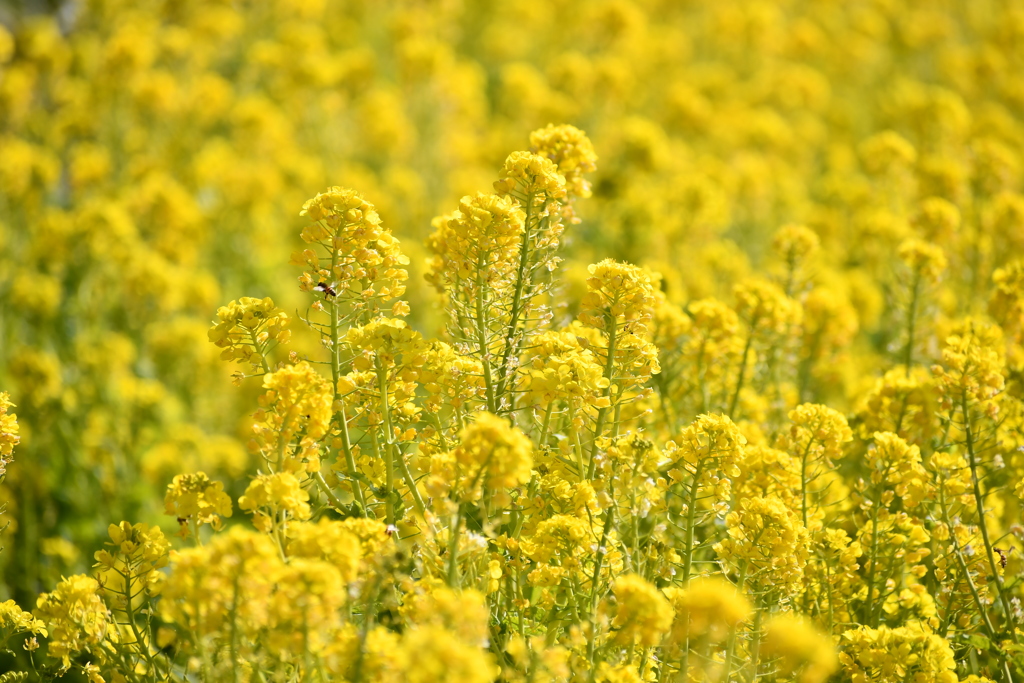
616 341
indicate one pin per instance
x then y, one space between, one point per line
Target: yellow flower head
494 453
817 433
327 540
802 650
528 174
910 652
1007 301
923 259
76 618
619 297
973 366
643 615
481 239
937 219
765 306
571 150
246 328
9 436
364 260
297 404
897 465
794 243
887 152
196 496
14 620
270 495
709 607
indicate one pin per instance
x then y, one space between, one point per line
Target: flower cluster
247 328
744 402
194 499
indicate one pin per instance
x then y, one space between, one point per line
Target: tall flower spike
476 258
194 499
297 404
363 266
619 296
573 153
247 330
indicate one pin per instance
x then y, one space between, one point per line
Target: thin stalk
453 550
594 595
389 444
609 373
957 553
691 516
522 275
743 368
979 502
346 445
908 353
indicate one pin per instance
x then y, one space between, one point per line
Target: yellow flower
896 465
327 540
197 496
972 367
528 174
818 433
709 450
765 307
298 403
76 618
364 263
493 453
895 654
923 259
709 607
619 297
436 655
477 247
13 620
768 538
222 585
643 615
270 495
795 243
9 436
887 152
463 613
246 329
803 651
571 150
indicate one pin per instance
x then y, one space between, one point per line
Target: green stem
389 444
609 373
346 445
691 516
958 554
453 550
594 593
908 354
743 369
979 502
522 275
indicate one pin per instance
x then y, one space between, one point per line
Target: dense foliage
741 399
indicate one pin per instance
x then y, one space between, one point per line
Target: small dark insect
1002 557
326 289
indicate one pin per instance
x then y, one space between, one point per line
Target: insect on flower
327 289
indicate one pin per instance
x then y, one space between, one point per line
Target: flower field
449 341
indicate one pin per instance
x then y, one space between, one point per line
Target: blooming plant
741 400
